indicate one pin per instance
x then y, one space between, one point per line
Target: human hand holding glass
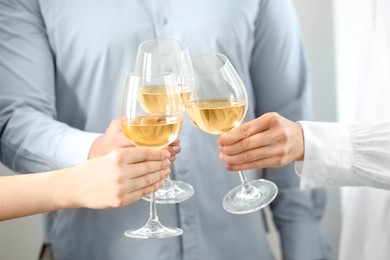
166 56
269 141
218 104
151 125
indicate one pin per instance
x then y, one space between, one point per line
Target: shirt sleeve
340 155
31 139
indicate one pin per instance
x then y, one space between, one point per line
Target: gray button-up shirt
62 67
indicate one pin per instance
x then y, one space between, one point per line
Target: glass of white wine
166 56
219 103
152 124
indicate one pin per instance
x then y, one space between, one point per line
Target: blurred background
21 238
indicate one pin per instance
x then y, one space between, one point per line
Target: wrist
301 142
95 150
63 189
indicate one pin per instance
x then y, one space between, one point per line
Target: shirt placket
162 13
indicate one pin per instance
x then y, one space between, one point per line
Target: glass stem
153 210
246 187
168 184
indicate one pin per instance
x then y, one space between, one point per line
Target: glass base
261 193
177 192
153 229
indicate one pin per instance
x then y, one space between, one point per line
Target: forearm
24 195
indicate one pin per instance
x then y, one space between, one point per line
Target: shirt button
164 21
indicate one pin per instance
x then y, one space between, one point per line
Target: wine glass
154 124
167 56
218 104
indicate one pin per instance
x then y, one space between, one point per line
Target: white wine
159 99
153 132
186 94
216 116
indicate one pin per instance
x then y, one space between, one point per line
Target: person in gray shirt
62 67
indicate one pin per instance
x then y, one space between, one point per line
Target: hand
266 142
114 139
174 148
111 140
119 178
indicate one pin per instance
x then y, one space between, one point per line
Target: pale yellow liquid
216 116
186 94
155 99
155 132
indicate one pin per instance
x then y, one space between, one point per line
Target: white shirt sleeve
74 147
341 155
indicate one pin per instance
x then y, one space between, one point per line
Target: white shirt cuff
328 153
74 147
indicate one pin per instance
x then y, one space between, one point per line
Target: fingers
251 155
123 141
134 171
111 140
120 137
252 142
137 194
271 162
173 151
127 181
132 155
146 180
174 148
272 141
176 142
246 130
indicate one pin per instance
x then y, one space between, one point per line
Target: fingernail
176 148
167 154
